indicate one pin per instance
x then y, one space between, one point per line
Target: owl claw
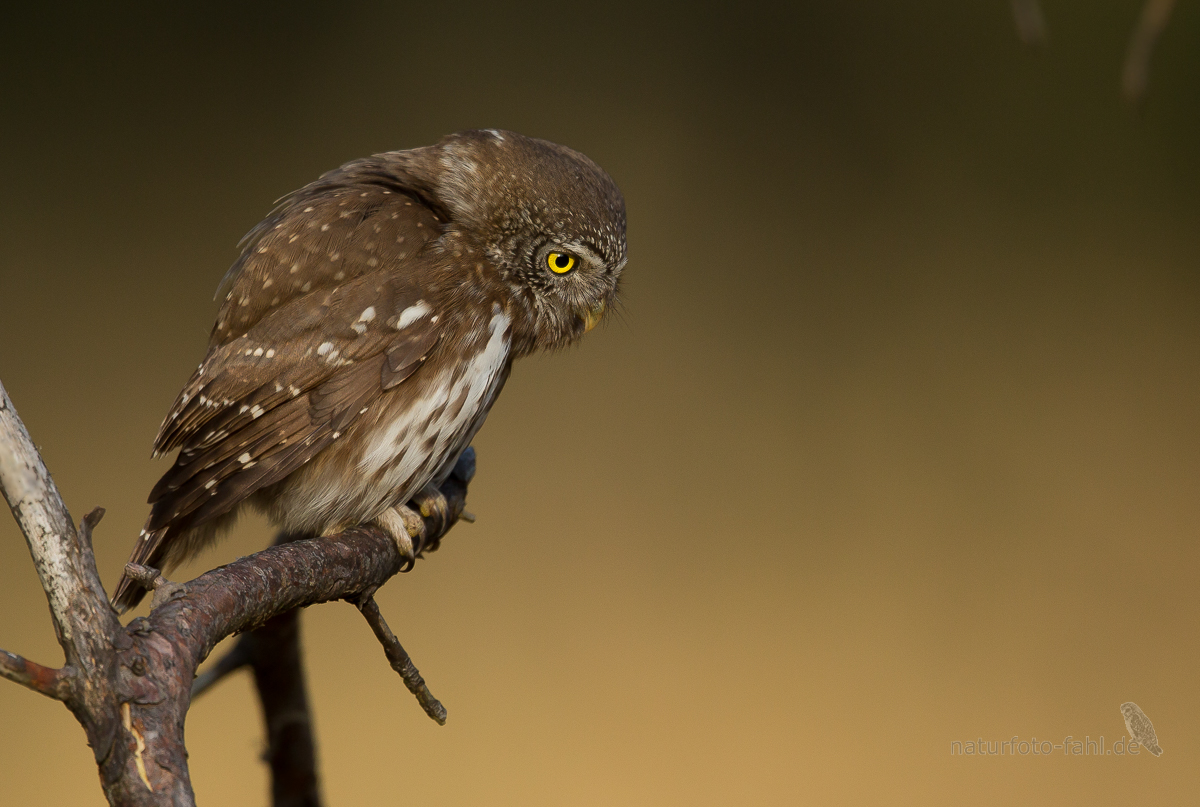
403 525
417 525
432 504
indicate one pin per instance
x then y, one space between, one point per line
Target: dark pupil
561 261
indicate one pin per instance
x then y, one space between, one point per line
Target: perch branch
130 687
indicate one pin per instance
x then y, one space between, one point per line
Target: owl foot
432 505
403 525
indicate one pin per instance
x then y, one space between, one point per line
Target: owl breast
413 437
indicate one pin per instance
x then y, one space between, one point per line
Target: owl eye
561 262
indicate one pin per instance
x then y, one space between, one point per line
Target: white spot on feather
411 314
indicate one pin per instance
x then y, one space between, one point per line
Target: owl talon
403 525
431 503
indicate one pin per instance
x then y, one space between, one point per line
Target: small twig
48 681
1136 75
149 577
234 660
152 580
401 662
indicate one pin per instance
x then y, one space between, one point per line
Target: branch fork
131 686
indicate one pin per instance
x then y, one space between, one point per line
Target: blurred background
895 445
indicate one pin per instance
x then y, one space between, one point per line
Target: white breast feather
428 417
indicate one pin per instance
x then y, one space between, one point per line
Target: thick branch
130 687
63 558
276 660
85 625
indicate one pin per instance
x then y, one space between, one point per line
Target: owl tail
165 548
149 551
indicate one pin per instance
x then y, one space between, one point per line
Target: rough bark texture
131 686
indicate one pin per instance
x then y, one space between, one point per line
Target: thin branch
400 660
1030 22
1135 77
48 681
150 578
231 662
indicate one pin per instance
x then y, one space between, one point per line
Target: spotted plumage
368 326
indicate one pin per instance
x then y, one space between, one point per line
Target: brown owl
368 326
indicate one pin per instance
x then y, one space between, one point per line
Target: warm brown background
896 444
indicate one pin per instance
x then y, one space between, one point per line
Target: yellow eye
560 262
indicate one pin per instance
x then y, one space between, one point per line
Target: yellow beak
592 318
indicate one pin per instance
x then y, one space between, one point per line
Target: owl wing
323 314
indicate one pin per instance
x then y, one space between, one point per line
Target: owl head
550 221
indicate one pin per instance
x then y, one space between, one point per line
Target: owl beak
592 318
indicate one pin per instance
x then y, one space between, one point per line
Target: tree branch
62 557
46 680
401 662
276 660
130 687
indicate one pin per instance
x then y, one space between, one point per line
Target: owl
1140 728
366 329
